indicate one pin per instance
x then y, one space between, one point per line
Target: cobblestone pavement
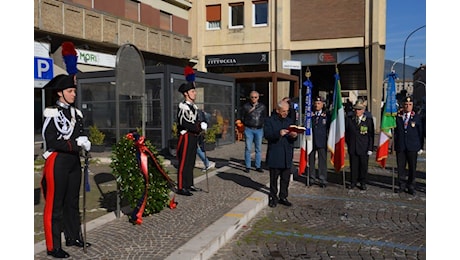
335 223
330 223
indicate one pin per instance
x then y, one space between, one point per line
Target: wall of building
111 23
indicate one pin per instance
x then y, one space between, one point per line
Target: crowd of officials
65 142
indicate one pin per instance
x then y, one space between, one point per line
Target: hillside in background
399 69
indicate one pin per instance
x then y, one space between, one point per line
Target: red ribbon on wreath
142 154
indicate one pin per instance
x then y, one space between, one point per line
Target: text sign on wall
292 65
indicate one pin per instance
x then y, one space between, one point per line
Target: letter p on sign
43 68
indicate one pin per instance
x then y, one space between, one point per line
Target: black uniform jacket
410 139
320 127
359 137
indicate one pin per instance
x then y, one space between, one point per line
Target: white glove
420 152
369 153
81 139
86 145
204 126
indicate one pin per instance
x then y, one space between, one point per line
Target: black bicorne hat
61 82
186 87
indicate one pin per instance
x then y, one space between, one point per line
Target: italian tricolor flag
388 121
336 138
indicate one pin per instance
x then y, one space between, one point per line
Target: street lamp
404 55
394 63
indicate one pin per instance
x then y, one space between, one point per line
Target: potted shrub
96 137
210 138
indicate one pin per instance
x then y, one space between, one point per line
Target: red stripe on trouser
48 175
181 153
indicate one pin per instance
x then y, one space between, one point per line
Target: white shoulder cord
186 114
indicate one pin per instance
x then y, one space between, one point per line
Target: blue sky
403 17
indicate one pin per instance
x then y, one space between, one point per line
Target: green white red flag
388 121
336 138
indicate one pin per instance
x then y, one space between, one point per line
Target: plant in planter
96 137
210 138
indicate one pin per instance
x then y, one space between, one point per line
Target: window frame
163 14
230 16
213 17
254 13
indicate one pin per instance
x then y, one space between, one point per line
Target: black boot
76 242
58 253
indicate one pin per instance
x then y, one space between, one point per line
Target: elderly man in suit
359 136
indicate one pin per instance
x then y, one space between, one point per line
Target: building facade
98 28
251 40
248 36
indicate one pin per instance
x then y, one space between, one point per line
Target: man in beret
320 128
359 136
189 128
63 140
408 142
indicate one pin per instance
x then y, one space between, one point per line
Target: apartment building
252 39
98 28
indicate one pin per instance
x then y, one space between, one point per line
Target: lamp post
404 55
394 63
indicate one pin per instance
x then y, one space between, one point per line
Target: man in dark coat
320 127
280 152
408 141
359 136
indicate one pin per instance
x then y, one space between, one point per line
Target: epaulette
79 113
50 112
184 106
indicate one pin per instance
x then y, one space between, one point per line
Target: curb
210 240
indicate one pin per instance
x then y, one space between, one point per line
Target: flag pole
307 75
85 188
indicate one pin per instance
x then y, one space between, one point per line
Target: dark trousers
322 165
284 175
409 158
61 183
186 155
358 166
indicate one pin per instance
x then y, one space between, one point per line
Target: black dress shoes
352 186
58 253
78 243
259 170
363 186
193 188
271 203
285 202
184 192
411 191
246 170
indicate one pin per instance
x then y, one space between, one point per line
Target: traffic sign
43 68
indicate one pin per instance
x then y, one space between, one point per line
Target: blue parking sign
43 68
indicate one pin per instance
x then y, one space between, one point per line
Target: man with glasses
408 142
280 152
254 114
359 136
